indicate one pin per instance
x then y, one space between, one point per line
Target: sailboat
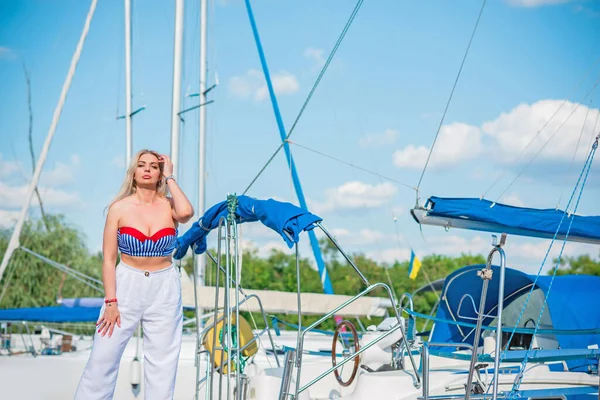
389 360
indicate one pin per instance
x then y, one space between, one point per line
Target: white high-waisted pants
154 298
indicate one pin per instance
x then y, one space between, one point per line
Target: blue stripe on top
134 243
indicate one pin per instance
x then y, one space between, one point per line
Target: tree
581 265
31 282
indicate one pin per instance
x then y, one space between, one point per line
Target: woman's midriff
147 263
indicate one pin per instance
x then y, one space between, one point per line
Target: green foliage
582 264
278 272
31 282
34 283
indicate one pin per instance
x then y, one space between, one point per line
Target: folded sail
484 215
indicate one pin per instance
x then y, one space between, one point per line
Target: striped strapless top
134 243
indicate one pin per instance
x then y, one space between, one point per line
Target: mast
128 112
201 259
325 281
176 104
13 244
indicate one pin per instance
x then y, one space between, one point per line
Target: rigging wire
80 276
312 91
594 129
7 281
375 164
576 149
546 143
451 95
542 128
583 176
352 165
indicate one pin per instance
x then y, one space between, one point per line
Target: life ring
216 335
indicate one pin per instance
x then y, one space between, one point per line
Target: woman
142 224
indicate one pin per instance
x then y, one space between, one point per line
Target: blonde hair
129 185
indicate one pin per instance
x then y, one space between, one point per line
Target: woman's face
148 171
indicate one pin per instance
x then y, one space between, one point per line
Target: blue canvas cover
571 303
281 217
83 302
51 314
484 215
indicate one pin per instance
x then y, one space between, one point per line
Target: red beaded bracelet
110 301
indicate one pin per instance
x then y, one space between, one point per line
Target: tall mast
201 259
128 129
13 244
176 105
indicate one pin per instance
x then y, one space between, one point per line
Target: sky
378 107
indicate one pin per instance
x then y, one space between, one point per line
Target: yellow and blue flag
414 266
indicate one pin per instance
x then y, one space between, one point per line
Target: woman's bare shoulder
119 206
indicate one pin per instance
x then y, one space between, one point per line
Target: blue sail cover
572 305
51 314
83 302
284 218
481 214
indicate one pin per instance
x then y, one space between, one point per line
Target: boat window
511 313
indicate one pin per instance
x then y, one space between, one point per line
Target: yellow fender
213 336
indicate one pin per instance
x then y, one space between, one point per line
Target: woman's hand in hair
167 165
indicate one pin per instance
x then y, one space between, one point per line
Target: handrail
362 277
346 360
417 380
410 301
410 326
425 362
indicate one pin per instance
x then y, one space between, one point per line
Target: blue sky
378 107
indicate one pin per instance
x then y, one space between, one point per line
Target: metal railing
299 389
425 362
230 354
302 333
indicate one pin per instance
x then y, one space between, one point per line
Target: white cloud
12 197
390 255
241 86
507 136
6 53
512 131
535 3
512 199
456 142
362 237
355 195
316 55
456 245
7 167
380 139
265 249
254 231
8 219
252 84
283 83
62 174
